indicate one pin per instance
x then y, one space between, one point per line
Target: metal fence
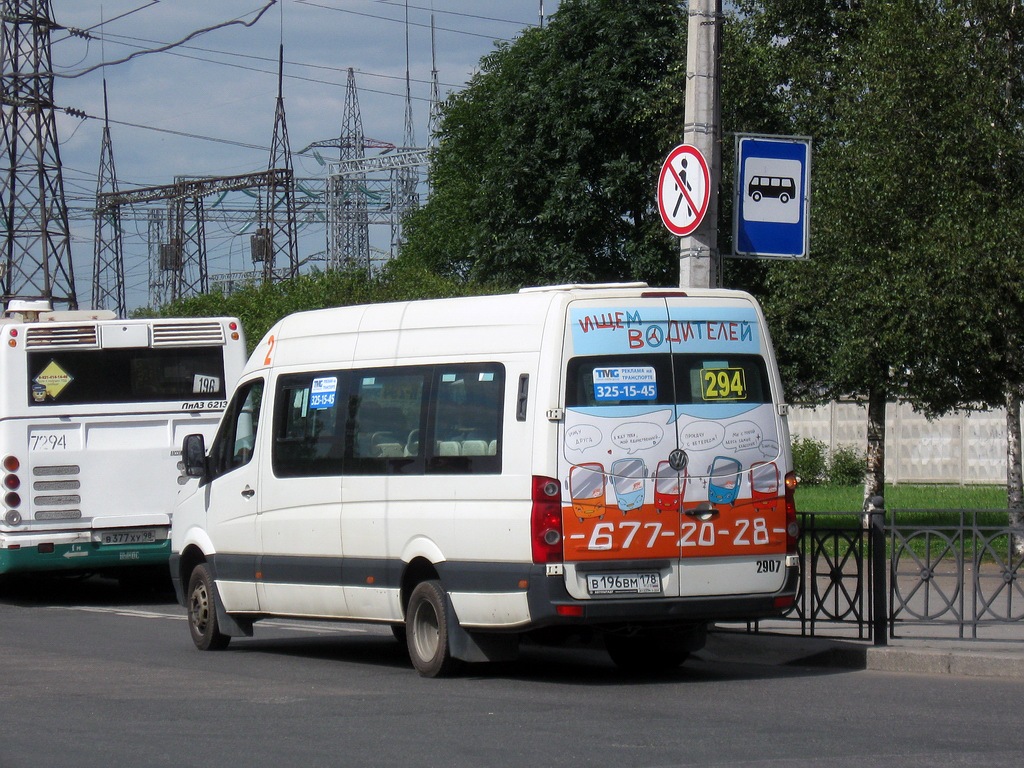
952 573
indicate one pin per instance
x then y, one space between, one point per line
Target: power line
416 24
168 46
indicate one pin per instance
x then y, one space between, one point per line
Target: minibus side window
385 415
465 419
309 425
236 440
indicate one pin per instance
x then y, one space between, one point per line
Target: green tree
893 302
259 306
546 163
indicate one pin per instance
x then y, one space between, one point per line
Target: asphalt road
96 677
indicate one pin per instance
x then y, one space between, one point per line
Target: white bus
607 460
92 414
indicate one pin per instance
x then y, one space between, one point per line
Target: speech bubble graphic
742 436
582 437
701 435
769 449
637 436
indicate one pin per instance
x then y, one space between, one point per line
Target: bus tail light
792 529
546 520
12 499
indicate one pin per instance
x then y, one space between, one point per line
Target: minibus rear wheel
426 623
202 611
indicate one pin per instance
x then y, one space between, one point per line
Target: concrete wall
962 448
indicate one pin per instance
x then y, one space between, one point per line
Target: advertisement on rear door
670 445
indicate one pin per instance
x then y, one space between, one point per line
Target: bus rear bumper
75 551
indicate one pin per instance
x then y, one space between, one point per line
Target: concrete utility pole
699 259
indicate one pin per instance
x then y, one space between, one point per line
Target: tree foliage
546 163
912 290
259 306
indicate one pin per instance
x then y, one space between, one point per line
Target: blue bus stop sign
772 196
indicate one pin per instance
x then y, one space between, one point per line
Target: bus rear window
136 375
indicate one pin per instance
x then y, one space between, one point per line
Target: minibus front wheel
426 623
202 611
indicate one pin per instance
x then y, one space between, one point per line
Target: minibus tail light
546 520
792 528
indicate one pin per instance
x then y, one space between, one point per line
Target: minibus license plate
624 583
131 536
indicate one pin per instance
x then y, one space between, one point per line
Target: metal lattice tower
282 228
37 239
349 243
159 288
108 253
406 179
434 117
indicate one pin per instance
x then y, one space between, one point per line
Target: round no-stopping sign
684 189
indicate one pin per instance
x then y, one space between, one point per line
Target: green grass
849 498
931 505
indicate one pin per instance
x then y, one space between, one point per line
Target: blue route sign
772 196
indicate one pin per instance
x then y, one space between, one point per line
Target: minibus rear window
638 380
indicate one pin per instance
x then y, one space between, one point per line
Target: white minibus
607 460
93 411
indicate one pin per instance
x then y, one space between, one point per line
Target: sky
206 107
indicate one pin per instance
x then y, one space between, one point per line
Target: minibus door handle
248 492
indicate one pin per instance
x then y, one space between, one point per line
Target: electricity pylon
36 262
108 249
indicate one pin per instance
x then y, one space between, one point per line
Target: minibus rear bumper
552 605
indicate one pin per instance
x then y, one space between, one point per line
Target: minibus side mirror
193 454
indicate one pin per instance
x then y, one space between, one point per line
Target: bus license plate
624 583
131 536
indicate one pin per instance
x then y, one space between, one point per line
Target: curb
926 657
933 661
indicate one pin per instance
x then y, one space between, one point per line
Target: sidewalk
1000 654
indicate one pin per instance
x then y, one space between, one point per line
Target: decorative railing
877 576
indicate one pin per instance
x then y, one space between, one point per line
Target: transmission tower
159 288
37 239
434 116
349 244
108 262
405 196
282 229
